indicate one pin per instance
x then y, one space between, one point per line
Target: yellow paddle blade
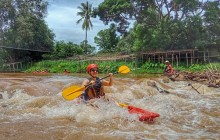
123 105
72 92
123 69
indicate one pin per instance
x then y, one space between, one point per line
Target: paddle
73 92
144 115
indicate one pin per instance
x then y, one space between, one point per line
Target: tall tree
22 25
126 43
212 21
85 13
164 24
107 39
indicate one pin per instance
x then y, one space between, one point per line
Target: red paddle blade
144 115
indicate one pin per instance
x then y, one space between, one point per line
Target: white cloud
62 17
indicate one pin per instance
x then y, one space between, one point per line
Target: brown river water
33 108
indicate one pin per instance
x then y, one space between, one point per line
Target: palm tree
85 13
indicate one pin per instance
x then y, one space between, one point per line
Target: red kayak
144 115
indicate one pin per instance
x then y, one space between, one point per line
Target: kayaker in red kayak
96 89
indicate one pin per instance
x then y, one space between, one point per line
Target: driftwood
210 77
194 88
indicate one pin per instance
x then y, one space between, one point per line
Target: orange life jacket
169 69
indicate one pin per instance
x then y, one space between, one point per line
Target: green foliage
87 48
107 39
170 25
212 21
150 67
117 11
196 67
85 13
105 67
126 43
64 50
176 24
23 26
76 66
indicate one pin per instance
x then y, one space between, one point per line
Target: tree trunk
85 44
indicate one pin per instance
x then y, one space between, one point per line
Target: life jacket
169 69
95 91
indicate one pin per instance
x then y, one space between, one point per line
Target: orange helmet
91 66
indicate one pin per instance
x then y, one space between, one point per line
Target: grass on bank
111 66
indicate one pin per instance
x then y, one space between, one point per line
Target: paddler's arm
110 82
85 82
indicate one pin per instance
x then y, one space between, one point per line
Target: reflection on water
33 108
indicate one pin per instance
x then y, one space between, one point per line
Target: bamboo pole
166 56
172 58
177 61
194 56
187 63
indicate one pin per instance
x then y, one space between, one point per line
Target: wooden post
13 65
154 58
208 56
194 56
177 61
166 56
187 63
172 58
142 58
16 66
9 67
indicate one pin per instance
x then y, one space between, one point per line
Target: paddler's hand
110 79
92 82
110 75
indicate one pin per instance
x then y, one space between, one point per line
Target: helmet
167 61
91 66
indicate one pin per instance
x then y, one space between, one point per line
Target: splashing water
33 107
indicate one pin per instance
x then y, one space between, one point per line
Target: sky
62 17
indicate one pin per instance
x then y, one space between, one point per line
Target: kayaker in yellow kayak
96 89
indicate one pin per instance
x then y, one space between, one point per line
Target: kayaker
96 89
169 71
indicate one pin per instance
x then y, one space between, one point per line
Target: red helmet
91 66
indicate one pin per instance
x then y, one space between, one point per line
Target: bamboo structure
174 56
16 66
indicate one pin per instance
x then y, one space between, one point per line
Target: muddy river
32 107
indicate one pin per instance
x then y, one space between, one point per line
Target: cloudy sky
62 17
